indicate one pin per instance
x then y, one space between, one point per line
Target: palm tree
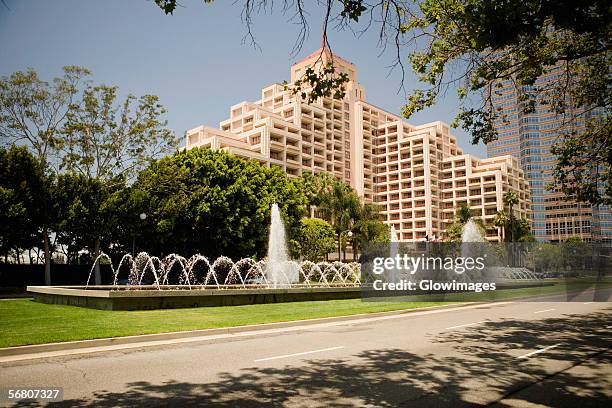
368 228
510 200
340 208
501 219
315 186
463 214
507 220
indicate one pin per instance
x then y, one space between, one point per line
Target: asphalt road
505 355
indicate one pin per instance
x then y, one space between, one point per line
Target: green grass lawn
28 322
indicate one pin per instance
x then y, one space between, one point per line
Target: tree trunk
97 276
47 257
339 246
18 255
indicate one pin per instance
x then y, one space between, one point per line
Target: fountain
472 233
151 272
393 275
150 282
279 269
393 235
173 281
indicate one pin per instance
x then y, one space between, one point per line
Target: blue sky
195 60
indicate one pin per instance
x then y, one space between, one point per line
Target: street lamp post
349 234
142 217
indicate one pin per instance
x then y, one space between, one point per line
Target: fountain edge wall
105 299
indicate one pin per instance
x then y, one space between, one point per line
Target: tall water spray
471 233
279 269
393 274
471 237
393 234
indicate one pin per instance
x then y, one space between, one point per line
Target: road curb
113 341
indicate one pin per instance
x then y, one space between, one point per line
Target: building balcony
293 148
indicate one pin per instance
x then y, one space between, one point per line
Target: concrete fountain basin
116 297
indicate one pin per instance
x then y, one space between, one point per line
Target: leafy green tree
547 257
124 207
368 228
516 41
502 219
576 254
454 232
473 46
314 186
86 216
32 112
584 171
214 203
83 130
112 141
315 238
23 188
338 203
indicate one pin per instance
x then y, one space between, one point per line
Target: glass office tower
529 138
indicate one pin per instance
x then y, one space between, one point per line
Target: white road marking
298 354
587 303
608 327
464 325
539 351
544 311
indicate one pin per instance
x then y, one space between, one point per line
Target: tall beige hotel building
416 173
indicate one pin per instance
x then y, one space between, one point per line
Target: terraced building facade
417 174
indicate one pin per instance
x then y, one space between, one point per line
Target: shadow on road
479 367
